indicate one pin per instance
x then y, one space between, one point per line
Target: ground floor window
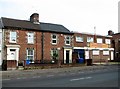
30 54
96 52
105 52
54 54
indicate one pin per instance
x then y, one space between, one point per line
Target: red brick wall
22 41
11 64
48 45
84 43
99 58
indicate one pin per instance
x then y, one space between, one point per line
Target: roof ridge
51 23
15 19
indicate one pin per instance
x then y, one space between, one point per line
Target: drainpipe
36 46
42 46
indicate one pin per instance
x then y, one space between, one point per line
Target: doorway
12 54
67 56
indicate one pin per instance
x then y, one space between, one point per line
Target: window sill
12 42
30 43
54 43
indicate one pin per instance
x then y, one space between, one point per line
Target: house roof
8 22
53 28
47 27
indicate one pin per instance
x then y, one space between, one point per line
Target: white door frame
87 54
13 47
70 55
112 55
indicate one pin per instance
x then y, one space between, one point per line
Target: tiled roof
47 27
53 28
7 22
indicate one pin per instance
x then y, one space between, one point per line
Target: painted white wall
112 56
16 48
86 54
0 47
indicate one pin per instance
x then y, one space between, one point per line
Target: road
90 78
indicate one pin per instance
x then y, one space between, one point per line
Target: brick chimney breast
35 18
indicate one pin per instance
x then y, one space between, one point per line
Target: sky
76 15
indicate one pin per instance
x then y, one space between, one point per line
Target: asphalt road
90 78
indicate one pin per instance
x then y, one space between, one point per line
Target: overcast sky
76 15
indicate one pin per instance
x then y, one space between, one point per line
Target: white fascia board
93 48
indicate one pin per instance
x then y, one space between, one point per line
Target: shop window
105 52
95 52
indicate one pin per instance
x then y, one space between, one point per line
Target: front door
67 56
12 54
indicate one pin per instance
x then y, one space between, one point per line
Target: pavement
38 72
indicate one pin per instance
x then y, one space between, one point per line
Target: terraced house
32 41
35 41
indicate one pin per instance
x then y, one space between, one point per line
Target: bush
4 65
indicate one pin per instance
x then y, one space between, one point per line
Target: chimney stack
110 32
34 18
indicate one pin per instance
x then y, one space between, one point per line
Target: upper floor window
54 38
79 39
30 37
13 37
67 40
90 39
99 40
107 41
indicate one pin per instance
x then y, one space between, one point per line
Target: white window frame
13 37
30 55
105 52
69 40
30 40
99 40
52 51
107 41
96 52
79 39
90 39
54 39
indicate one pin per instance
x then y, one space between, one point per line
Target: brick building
116 46
95 47
37 42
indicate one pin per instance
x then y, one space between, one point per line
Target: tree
55 56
